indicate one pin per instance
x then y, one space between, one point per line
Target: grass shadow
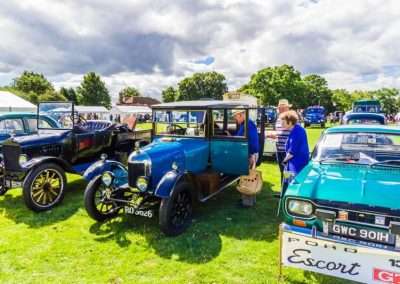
202 241
12 206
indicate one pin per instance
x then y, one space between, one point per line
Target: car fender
171 179
119 170
35 162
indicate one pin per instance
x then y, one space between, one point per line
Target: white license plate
141 213
14 184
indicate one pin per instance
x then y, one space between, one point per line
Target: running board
227 181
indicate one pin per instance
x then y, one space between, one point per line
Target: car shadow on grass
202 241
13 207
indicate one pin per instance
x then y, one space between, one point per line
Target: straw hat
237 111
284 103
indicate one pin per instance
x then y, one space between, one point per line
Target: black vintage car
38 163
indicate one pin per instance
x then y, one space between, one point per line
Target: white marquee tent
101 111
124 111
12 103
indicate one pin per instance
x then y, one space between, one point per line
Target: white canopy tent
101 111
125 111
12 103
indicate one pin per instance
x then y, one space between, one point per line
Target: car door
228 153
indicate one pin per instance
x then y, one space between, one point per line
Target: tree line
271 84
92 91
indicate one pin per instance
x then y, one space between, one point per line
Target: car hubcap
102 200
181 210
46 187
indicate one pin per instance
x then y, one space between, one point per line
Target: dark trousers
280 156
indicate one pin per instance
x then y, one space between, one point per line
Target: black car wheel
323 125
3 189
176 211
44 187
97 201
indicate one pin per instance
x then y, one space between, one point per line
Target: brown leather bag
251 184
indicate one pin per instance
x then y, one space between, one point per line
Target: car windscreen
180 122
364 121
61 112
315 110
358 147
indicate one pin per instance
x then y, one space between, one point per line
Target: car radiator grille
11 155
365 218
135 170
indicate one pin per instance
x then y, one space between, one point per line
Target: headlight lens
300 207
141 183
107 178
23 159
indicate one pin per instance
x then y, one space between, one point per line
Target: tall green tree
128 92
70 94
388 99
274 83
169 95
93 91
342 100
210 85
318 92
32 82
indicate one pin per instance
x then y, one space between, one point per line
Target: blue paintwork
315 115
119 170
228 157
46 137
378 118
24 117
167 183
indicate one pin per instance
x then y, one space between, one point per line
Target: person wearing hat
239 115
280 135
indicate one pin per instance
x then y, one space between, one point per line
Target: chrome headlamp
142 183
23 159
107 178
301 208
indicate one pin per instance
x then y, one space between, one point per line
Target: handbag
251 184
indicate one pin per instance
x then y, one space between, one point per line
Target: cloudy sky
153 44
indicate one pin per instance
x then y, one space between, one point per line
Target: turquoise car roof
364 128
18 114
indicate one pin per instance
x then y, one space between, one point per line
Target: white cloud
153 44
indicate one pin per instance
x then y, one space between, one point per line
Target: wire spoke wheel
103 204
181 210
3 189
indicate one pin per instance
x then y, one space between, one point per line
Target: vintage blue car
194 154
37 163
350 191
363 118
315 115
19 124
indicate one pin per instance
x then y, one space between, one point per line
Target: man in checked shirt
280 135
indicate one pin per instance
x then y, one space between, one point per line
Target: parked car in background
38 163
349 192
191 159
271 115
19 124
372 106
315 116
363 118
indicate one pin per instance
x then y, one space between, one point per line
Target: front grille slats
11 155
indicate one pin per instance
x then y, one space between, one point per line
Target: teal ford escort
350 190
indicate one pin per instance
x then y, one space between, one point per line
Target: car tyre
95 191
44 187
176 211
323 125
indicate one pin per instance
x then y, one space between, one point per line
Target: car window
180 123
12 125
224 125
350 147
32 122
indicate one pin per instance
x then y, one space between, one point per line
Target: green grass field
223 244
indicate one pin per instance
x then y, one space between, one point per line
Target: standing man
239 115
280 135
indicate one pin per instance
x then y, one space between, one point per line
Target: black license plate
13 184
142 213
362 234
